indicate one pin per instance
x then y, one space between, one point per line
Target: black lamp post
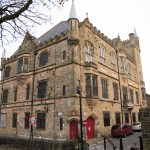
81 122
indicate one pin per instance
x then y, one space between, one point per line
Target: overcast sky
112 17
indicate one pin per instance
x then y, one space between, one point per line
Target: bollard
121 144
104 143
141 143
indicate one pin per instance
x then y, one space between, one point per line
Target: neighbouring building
40 80
148 99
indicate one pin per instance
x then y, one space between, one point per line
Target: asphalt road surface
128 142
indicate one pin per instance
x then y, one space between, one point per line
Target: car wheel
124 135
132 132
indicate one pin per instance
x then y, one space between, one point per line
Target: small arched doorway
73 129
90 128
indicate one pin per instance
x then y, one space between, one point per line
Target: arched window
7 71
89 49
113 60
102 53
43 59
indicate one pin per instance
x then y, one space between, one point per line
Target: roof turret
73 14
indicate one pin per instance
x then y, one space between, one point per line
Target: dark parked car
121 130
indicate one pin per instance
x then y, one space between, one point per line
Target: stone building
40 80
148 99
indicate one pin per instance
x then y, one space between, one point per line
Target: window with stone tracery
123 64
91 85
89 51
102 53
22 64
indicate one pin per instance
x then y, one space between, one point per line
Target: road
128 142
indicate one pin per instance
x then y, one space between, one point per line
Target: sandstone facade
77 51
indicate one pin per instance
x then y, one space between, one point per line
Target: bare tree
19 16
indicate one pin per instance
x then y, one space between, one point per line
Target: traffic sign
32 120
84 122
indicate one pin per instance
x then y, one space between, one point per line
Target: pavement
95 141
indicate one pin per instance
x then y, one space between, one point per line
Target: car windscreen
115 128
137 123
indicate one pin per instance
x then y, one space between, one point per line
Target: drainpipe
33 78
120 87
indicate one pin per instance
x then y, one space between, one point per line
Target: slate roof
56 30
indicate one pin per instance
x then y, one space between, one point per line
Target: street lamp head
79 89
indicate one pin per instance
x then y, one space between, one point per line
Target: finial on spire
86 14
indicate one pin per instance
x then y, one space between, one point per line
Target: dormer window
7 71
22 65
43 59
102 53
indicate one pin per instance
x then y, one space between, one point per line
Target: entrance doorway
90 128
73 129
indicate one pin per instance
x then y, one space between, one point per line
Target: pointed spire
4 55
135 33
73 11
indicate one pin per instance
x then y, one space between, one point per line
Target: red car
121 130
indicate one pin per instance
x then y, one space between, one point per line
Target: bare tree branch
19 16
17 13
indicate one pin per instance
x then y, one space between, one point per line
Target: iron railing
111 143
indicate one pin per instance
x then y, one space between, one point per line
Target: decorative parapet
53 40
